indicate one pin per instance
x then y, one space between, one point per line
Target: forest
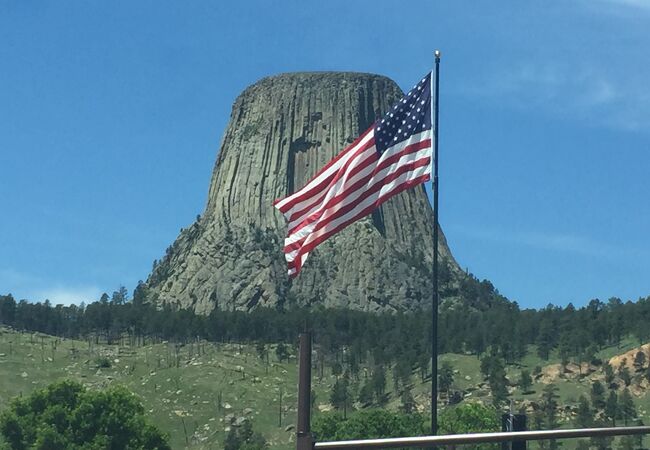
481 321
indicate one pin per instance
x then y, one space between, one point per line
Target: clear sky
111 115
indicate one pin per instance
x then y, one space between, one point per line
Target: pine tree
408 402
366 393
340 395
281 352
549 407
584 416
379 383
624 372
445 377
639 361
611 407
626 406
609 373
545 339
525 381
498 383
597 395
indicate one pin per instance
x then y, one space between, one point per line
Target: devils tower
282 130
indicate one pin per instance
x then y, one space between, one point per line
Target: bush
67 416
102 362
369 424
470 418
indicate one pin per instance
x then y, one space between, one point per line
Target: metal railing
481 438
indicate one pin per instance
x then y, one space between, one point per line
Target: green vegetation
470 418
207 379
196 393
374 423
67 416
244 438
199 391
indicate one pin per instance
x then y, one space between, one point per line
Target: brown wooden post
304 439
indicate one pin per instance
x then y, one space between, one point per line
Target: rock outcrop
281 131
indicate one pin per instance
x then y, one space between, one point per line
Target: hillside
198 391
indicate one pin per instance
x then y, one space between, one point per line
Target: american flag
394 154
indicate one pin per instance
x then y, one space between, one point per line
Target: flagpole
434 323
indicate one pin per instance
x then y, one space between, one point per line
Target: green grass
184 401
179 400
625 345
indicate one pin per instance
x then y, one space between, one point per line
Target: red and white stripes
350 187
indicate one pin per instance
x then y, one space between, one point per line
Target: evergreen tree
626 406
379 383
445 377
407 402
366 393
402 372
549 407
120 296
337 369
639 361
609 373
498 383
424 359
525 381
281 352
584 417
625 375
597 395
340 395
611 407
545 339
261 350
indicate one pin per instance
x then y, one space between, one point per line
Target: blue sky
111 115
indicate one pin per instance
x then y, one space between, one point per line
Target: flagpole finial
437 54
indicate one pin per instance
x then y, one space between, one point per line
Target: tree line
493 327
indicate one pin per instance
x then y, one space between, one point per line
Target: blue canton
409 116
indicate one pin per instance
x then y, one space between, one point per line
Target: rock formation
281 131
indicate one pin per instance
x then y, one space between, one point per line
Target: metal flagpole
434 323
304 440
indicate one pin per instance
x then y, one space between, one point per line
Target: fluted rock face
281 131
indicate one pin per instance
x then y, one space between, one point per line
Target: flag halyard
393 155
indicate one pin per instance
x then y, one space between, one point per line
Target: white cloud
34 288
558 242
639 4
588 94
68 295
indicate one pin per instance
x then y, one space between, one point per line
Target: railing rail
481 438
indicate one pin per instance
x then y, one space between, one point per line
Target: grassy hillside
196 391
192 402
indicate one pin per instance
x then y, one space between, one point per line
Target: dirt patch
616 361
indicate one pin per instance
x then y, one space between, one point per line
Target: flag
394 154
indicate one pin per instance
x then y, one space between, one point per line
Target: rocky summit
282 130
